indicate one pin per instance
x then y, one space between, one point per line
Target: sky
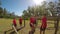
18 6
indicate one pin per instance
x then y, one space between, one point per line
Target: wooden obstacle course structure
14 29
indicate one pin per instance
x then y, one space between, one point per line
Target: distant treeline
6 14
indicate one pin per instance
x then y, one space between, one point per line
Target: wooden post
24 21
0 2
56 25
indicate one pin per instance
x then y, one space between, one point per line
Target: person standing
14 22
32 24
44 24
20 21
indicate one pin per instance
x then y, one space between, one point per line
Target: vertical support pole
56 25
24 21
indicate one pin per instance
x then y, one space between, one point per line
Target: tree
0 3
42 9
51 7
35 10
1 12
5 11
24 13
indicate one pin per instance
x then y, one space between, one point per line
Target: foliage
39 10
5 14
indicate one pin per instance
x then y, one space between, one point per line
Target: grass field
6 24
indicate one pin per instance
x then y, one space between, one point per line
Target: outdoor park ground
6 24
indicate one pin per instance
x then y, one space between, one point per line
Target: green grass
6 24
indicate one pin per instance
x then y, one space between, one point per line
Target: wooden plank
15 29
